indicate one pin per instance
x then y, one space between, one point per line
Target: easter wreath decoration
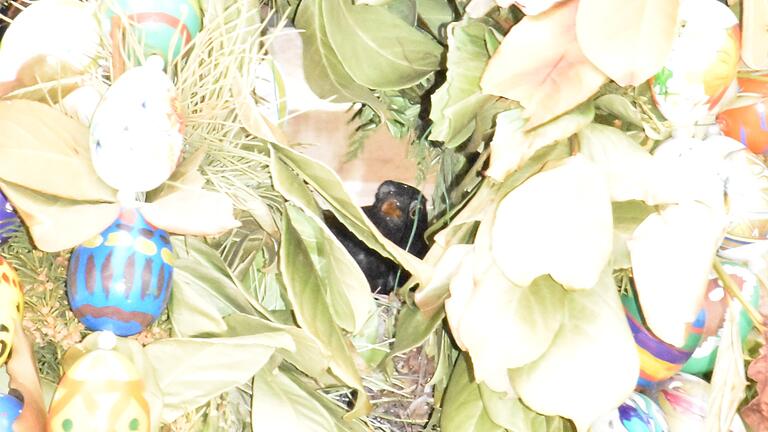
597 229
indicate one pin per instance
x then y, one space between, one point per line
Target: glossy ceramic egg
102 391
702 64
658 359
120 280
8 218
683 399
137 130
748 124
10 409
637 414
713 311
164 27
11 307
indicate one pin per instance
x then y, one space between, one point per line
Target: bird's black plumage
399 211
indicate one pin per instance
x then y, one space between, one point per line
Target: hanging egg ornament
162 27
748 124
702 64
11 307
713 311
683 399
137 130
8 218
637 414
102 391
10 410
658 359
120 280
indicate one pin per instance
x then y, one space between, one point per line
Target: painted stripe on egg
162 18
113 313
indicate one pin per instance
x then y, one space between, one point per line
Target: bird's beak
391 210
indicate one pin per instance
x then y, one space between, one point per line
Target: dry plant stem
24 378
734 291
118 61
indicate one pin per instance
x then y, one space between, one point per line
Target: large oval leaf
672 255
540 65
628 41
591 366
558 222
378 49
462 407
38 139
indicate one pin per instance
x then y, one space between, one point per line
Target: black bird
400 213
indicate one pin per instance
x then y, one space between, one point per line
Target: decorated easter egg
120 280
637 414
702 64
8 218
10 409
683 399
11 307
62 31
162 27
748 124
102 391
137 130
658 359
713 311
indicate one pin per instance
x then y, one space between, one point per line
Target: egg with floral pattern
11 307
120 280
10 409
8 219
102 391
637 414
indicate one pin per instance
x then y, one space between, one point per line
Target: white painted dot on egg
120 287
716 294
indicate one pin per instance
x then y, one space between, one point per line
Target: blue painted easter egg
119 281
10 409
637 414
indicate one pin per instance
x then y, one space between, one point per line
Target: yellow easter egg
11 306
102 391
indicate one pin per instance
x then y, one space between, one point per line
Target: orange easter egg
748 124
11 307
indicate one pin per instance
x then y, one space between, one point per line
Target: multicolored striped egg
637 414
102 391
11 307
748 124
8 218
702 64
683 399
716 303
137 130
120 280
164 27
658 359
10 409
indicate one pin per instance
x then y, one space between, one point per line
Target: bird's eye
413 210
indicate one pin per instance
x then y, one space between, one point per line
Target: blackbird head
397 208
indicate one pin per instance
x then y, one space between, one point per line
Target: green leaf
306 292
192 371
378 49
328 184
290 186
39 139
327 78
435 14
593 349
342 423
463 408
512 414
56 223
413 327
308 355
620 107
403 9
457 102
627 215
279 404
